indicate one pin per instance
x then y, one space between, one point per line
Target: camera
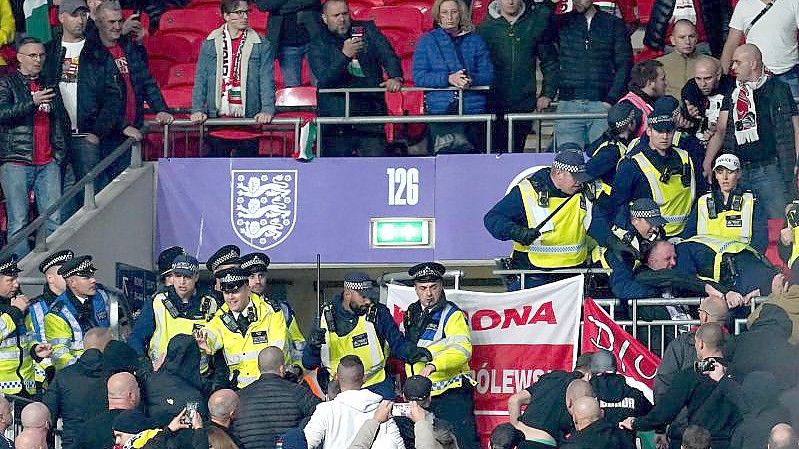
704 366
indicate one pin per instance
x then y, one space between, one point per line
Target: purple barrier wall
293 210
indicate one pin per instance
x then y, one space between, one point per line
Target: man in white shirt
334 424
771 25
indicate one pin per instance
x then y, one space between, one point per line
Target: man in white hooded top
334 424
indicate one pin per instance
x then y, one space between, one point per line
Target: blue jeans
766 181
582 132
290 59
791 78
18 181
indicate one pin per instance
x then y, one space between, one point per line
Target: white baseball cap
728 161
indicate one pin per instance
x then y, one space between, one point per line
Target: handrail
357 90
296 122
86 184
531 116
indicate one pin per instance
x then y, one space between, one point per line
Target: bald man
760 122
271 405
593 432
782 437
681 353
78 391
30 439
123 394
703 95
223 406
36 418
679 64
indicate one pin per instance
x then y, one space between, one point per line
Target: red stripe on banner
501 370
633 358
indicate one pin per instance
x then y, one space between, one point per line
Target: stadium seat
365 3
301 97
407 71
258 20
202 4
772 251
359 12
402 26
164 52
193 25
180 82
479 10
305 74
425 6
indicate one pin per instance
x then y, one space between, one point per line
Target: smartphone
357 31
402 409
191 410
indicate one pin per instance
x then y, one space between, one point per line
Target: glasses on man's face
38 56
240 12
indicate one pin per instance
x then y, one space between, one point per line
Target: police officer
439 326
549 216
227 256
18 342
729 210
659 170
165 259
789 235
54 286
354 323
257 264
245 324
83 306
610 148
180 309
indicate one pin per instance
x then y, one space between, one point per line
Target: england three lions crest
263 207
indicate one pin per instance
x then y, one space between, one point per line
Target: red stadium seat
303 97
402 26
177 49
425 6
365 3
258 20
772 251
177 92
407 71
479 10
359 12
181 75
193 25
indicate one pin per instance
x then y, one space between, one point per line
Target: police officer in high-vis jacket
439 326
257 264
180 309
611 147
83 305
729 210
356 324
18 342
244 325
659 170
165 259
543 235
54 285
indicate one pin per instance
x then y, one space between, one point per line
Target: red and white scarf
745 113
231 104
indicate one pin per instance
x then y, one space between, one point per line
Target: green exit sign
402 232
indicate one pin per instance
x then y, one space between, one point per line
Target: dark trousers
348 140
107 146
82 156
218 147
500 136
456 406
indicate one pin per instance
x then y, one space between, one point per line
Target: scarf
231 104
745 112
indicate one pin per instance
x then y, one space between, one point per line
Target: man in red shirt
33 129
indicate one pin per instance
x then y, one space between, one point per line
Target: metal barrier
361 90
85 185
532 116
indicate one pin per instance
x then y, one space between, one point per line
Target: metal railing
533 116
347 91
85 185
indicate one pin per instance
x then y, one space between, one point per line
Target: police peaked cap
57 258
254 262
231 279
78 266
226 255
427 272
165 259
358 280
8 266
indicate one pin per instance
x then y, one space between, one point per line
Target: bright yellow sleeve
458 346
59 335
278 333
7 24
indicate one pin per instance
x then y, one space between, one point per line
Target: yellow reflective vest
267 327
720 247
361 341
64 327
735 223
448 338
169 323
565 244
675 199
16 363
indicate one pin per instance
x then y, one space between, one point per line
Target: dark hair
583 362
505 436
29 40
228 6
696 437
644 72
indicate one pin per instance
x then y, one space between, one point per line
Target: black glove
317 338
420 355
525 236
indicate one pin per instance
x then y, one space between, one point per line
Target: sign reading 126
403 186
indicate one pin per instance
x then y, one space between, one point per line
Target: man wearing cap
610 148
165 259
83 305
659 170
244 325
356 324
54 286
179 310
18 346
227 256
729 210
440 327
257 264
548 216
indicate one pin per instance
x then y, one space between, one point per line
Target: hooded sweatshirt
334 424
789 302
617 399
757 401
176 383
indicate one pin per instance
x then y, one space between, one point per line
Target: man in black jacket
617 400
133 77
290 28
597 43
223 407
271 405
78 392
123 394
32 140
706 404
353 54
593 432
